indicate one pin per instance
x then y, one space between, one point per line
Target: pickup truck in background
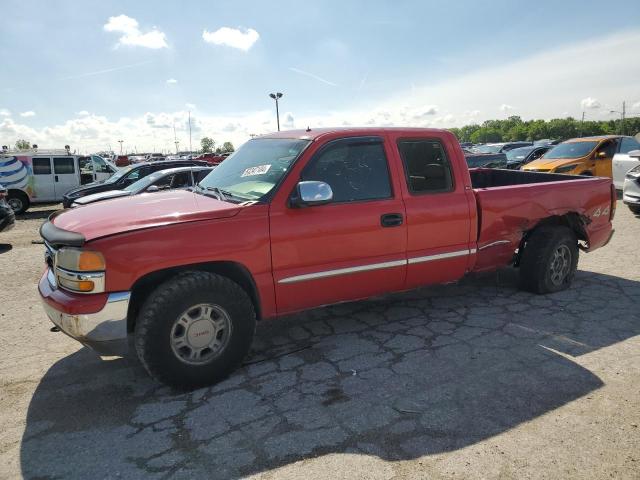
300 219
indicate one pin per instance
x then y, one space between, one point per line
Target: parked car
487 160
299 219
589 156
631 189
212 158
7 216
546 141
125 177
627 157
122 161
500 147
169 179
44 176
520 156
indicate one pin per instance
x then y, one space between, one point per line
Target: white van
44 176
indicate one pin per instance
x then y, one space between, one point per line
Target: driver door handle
391 220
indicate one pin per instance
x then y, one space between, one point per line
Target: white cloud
590 103
287 120
190 106
172 81
426 111
635 106
131 35
232 37
28 113
4 112
505 108
82 113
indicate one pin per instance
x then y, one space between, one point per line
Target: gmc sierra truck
299 219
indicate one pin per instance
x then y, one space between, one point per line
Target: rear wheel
194 330
549 260
18 201
634 209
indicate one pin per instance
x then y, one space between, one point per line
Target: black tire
18 201
537 272
158 319
634 209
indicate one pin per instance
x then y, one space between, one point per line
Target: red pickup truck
299 219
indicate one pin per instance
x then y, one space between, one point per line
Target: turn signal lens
77 260
90 262
76 285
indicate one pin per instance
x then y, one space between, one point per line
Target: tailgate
506 213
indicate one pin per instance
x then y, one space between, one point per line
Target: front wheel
18 201
550 260
194 330
635 209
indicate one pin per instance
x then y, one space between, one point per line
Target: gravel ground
475 380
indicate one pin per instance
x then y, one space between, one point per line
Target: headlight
80 260
566 168
80 270
633 173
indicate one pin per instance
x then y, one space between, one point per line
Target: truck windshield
488 148
253 170
121 172
570 150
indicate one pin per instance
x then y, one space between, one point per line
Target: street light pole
622 115
276 96
120 142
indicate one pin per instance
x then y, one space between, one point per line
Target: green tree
207 144
228 147
23 144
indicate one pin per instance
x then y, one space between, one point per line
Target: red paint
145 233
71 303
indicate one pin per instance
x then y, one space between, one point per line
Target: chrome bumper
104 331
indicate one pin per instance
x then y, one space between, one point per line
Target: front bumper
105 331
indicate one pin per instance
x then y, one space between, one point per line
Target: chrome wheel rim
200 334
560 265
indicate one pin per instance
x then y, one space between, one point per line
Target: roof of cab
593 138
315 133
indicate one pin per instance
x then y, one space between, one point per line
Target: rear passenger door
437 209
43 181
65 175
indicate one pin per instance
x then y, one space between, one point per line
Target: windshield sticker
259 170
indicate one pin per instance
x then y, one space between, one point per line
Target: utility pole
277 96
581 124
120 142
190 149
622 115
175 139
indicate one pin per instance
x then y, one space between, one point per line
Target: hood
552 163
137 212
96 197
90 188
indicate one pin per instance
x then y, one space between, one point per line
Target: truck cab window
426 166
628 144
354 171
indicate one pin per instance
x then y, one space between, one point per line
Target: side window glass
609 148
354 171
100 165
164 183
629 144
63 165
41 166
201 174
426 166
181 180
133 176
85 164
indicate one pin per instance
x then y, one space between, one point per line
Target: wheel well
143 287
18 193
572 220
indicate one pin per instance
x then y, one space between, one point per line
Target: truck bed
511 202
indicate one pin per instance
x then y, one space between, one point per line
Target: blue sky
87 73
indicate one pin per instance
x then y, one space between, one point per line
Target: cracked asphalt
473 380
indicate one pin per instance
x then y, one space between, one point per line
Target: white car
623 161
631 189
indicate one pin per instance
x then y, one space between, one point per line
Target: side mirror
311 193
601 154
152 188
634 154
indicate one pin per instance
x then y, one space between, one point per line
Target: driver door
351 248
604 162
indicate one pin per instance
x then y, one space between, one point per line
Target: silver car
631 190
